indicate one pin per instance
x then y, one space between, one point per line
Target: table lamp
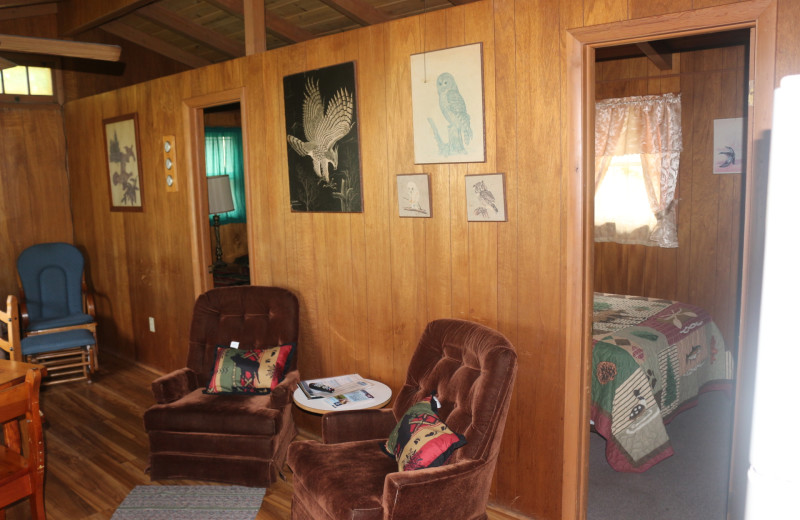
219 201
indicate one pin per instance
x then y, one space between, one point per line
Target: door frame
761 17
193 111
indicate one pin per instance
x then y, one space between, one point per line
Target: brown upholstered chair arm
282 394
447 491
173 386
357 425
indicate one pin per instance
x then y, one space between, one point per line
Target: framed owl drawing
322 140
486 197
414 195
447 101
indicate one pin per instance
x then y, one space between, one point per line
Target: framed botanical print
124 168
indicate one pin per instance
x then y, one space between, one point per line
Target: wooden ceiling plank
255 31
6 64
276 25
154 44
194 31
77 16
29 11
234 7
50 46
661 60
19 3
287 31
358 11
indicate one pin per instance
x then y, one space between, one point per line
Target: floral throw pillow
255 371
420 439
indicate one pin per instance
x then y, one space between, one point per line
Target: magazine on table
337 390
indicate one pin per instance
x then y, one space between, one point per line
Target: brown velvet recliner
471 368
238 439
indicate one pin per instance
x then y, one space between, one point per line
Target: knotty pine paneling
368 282
704 269
34 189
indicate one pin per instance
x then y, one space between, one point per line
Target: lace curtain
648 126
224 157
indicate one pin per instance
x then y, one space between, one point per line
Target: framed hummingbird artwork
122 158
447 105
728 138
322 140
486 197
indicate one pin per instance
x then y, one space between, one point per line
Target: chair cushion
61 321
56 341
255 371
340 480
420 439
216 413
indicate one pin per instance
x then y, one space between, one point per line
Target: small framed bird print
728 134
486 197
447 104
414 195
322 140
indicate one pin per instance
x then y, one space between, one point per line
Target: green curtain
224 157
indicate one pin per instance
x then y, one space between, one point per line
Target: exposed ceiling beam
77 16
194 31
255 33
234 7
276 25
17 3
662 60
6 64
358 11
12 13
147 41
93 51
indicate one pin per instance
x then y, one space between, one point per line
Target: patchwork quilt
651 358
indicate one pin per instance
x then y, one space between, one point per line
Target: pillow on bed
420 439
255 371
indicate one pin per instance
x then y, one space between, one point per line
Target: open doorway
224 165
218 166
759 17
706 76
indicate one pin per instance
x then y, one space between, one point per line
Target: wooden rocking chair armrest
24 317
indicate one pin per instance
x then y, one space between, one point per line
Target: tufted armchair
238 439
347 476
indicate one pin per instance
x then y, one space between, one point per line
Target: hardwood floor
96 448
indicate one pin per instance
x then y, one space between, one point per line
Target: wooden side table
381 393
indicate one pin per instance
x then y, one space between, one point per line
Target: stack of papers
347 388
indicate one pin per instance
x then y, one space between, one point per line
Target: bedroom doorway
758 17
706 76
217 133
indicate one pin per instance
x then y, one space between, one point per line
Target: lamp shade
219 194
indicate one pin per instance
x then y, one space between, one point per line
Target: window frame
28 60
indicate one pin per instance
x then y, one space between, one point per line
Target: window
637 153
622 199
35 83
224 157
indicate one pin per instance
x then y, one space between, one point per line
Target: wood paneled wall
34 188
369 282
704 268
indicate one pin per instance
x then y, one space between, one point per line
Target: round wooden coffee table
381 393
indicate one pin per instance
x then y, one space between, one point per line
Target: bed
651 359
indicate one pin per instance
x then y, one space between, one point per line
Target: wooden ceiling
202 32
